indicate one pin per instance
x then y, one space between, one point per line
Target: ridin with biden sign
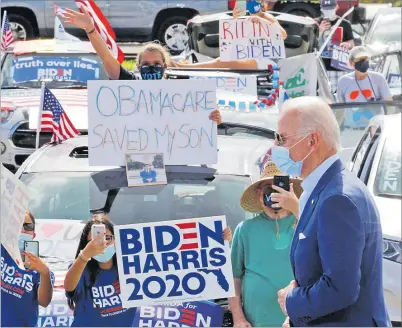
183 260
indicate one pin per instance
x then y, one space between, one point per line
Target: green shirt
262 262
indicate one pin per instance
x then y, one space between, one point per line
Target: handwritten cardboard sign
169 117
190 314
171 261
242 39
340 59
245 84
14 202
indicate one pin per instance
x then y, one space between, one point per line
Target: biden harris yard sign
164 262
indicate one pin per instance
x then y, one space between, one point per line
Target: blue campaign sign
54 68
57 313
187 314
340 59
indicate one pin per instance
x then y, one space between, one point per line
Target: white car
65 67
377 162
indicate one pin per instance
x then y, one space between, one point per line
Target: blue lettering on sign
54 68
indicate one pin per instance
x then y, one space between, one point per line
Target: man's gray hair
315 115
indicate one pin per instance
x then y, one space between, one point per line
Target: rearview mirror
293 41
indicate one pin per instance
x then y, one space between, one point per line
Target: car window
380 31
393 73
368 156
388 177
71 196
56 70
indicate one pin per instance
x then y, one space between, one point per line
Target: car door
50 14
133 20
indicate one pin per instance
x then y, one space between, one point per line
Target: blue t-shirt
19 294
100 305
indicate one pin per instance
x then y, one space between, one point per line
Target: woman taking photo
92 282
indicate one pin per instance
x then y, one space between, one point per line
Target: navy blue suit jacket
337 262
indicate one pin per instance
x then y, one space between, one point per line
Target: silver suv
132 20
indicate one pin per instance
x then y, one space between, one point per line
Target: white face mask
329 13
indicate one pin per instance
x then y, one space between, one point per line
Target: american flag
54 119
6 35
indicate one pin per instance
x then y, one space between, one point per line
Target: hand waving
80 20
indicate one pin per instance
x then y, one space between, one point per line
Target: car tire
24 24
299 9
172 23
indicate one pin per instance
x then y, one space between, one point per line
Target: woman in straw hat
260 252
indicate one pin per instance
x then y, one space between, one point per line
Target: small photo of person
145 169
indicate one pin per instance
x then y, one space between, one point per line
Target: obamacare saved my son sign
171 261
169 117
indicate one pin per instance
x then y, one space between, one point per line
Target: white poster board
169 117
242 39
14 202
165 262
299 75
243 84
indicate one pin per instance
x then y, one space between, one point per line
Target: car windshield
381 33
58 71
70 196
388 177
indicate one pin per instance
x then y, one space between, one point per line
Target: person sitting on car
251 64
22 291
260 250
152 60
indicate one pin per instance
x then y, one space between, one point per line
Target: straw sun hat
251 202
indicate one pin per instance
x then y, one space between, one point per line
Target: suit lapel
311 203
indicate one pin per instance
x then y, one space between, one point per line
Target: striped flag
54 118
6 35
102 26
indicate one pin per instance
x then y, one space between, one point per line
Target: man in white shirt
362 85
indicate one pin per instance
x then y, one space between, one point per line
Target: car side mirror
212 40
359 15
293 41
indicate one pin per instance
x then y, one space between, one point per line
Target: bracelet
82 257
91 31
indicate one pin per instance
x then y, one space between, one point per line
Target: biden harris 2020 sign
183 260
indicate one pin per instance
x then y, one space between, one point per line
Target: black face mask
152 72
362 66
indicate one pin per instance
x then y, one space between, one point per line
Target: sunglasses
281 139
28 226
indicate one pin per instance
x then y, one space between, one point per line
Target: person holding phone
260 251
23 291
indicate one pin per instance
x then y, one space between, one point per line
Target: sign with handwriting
169 117
242 39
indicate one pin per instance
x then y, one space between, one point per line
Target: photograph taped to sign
169 117
54 68
186 314
181 260
340 59
145 170
245 84
242 39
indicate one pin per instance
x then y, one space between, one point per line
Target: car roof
237 155
50 46
391 124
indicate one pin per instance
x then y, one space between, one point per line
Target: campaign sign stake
242 39
164 262
169 117
14 202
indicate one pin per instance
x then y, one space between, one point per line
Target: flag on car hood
102 26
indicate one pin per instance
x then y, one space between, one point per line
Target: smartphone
282 181
31 247
98 229
242 6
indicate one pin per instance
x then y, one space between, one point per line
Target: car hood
73 101
390 213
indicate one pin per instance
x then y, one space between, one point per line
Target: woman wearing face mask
92 282
23 290
152 60
362 85
260 253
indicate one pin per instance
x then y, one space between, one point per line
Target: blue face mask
152 72
23 238
107 255
281 157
